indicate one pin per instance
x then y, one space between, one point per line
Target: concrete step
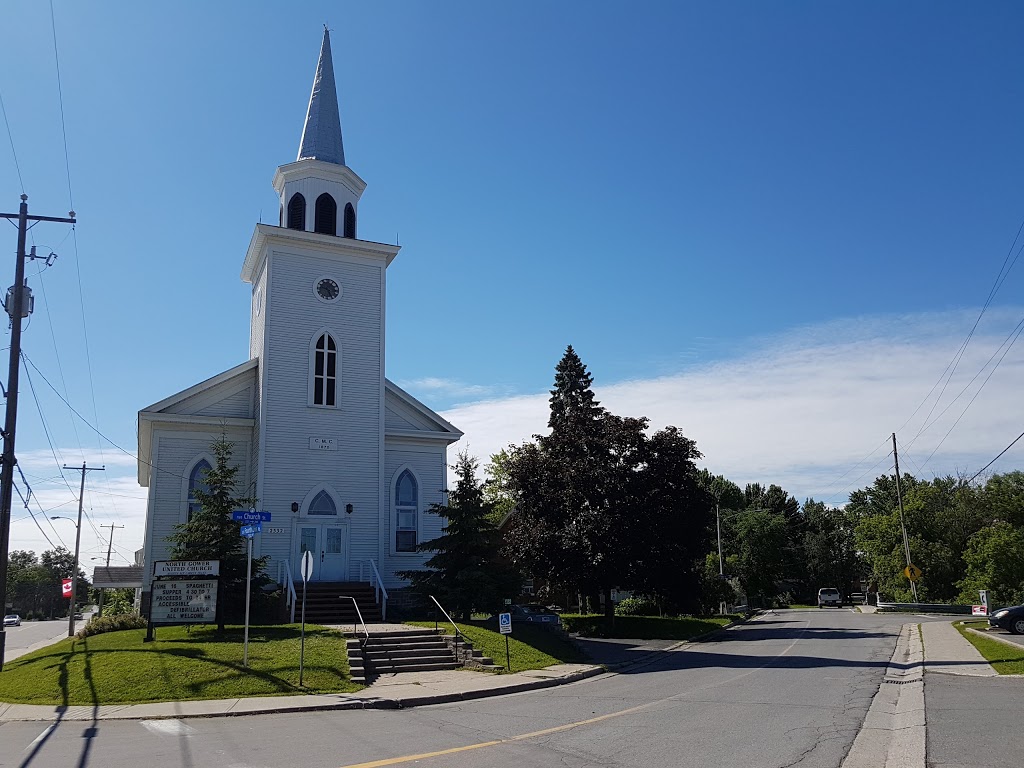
422 667
379 657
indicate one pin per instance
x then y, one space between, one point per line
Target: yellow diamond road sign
912 572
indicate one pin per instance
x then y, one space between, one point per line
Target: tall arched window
325 371
297 212
350 221
325 216
197 479
406 512
322 504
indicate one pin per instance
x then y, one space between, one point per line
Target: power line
60 98
94 429
1020 328
10 137
1000 278
994 460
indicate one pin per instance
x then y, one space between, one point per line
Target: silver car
12 620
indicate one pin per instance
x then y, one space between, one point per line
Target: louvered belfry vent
297 212
350 221
326 215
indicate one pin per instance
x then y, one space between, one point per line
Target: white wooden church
344 460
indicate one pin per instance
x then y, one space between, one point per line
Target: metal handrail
291 597
454 625
378 590
358 613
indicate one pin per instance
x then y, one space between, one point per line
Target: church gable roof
405 416
220 395
221 402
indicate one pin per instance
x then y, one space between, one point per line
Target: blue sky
772 225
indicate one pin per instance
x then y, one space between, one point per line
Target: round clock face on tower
327 289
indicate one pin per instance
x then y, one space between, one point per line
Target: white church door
327 543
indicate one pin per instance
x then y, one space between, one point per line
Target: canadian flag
66 588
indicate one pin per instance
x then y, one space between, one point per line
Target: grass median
1005 658
119 668
529 647
644 627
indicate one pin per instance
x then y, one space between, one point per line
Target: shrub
636 606
97 625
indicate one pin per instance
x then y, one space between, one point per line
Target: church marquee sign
189 601
185 568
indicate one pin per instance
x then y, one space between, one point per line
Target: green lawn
644 627
1004 658
529 647
118 667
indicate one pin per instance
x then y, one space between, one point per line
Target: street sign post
248 531
250 516
505 627
307 571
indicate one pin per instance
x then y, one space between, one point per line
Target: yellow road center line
567 726
520 737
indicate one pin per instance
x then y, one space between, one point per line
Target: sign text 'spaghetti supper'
184 602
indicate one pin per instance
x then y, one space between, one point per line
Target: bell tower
318 192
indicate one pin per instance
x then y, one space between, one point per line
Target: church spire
321 135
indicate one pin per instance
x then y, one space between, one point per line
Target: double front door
326 541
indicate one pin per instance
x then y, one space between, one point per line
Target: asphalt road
33 633
791 688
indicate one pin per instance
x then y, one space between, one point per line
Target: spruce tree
465 573
211 534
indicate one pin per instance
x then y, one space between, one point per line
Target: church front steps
325 604
411 650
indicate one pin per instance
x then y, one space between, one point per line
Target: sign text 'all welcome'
184 602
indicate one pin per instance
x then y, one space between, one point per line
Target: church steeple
321 134
319 192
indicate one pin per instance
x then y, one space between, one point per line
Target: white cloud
451 388
803 409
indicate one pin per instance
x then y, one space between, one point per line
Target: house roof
119 577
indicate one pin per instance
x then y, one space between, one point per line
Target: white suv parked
829 596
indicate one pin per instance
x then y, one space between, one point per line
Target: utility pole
78 541
903 527
16 309
721 565
110 546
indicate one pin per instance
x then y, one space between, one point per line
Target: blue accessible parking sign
505 623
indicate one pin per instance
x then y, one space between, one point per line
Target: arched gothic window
297 212
325 371
406 512
325 217
350 221
322 504
197 479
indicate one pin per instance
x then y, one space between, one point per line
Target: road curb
893 734
348 704
994 636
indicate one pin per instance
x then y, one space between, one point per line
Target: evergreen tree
465 574
211 534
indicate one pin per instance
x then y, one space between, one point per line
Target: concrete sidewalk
409 689
949 652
